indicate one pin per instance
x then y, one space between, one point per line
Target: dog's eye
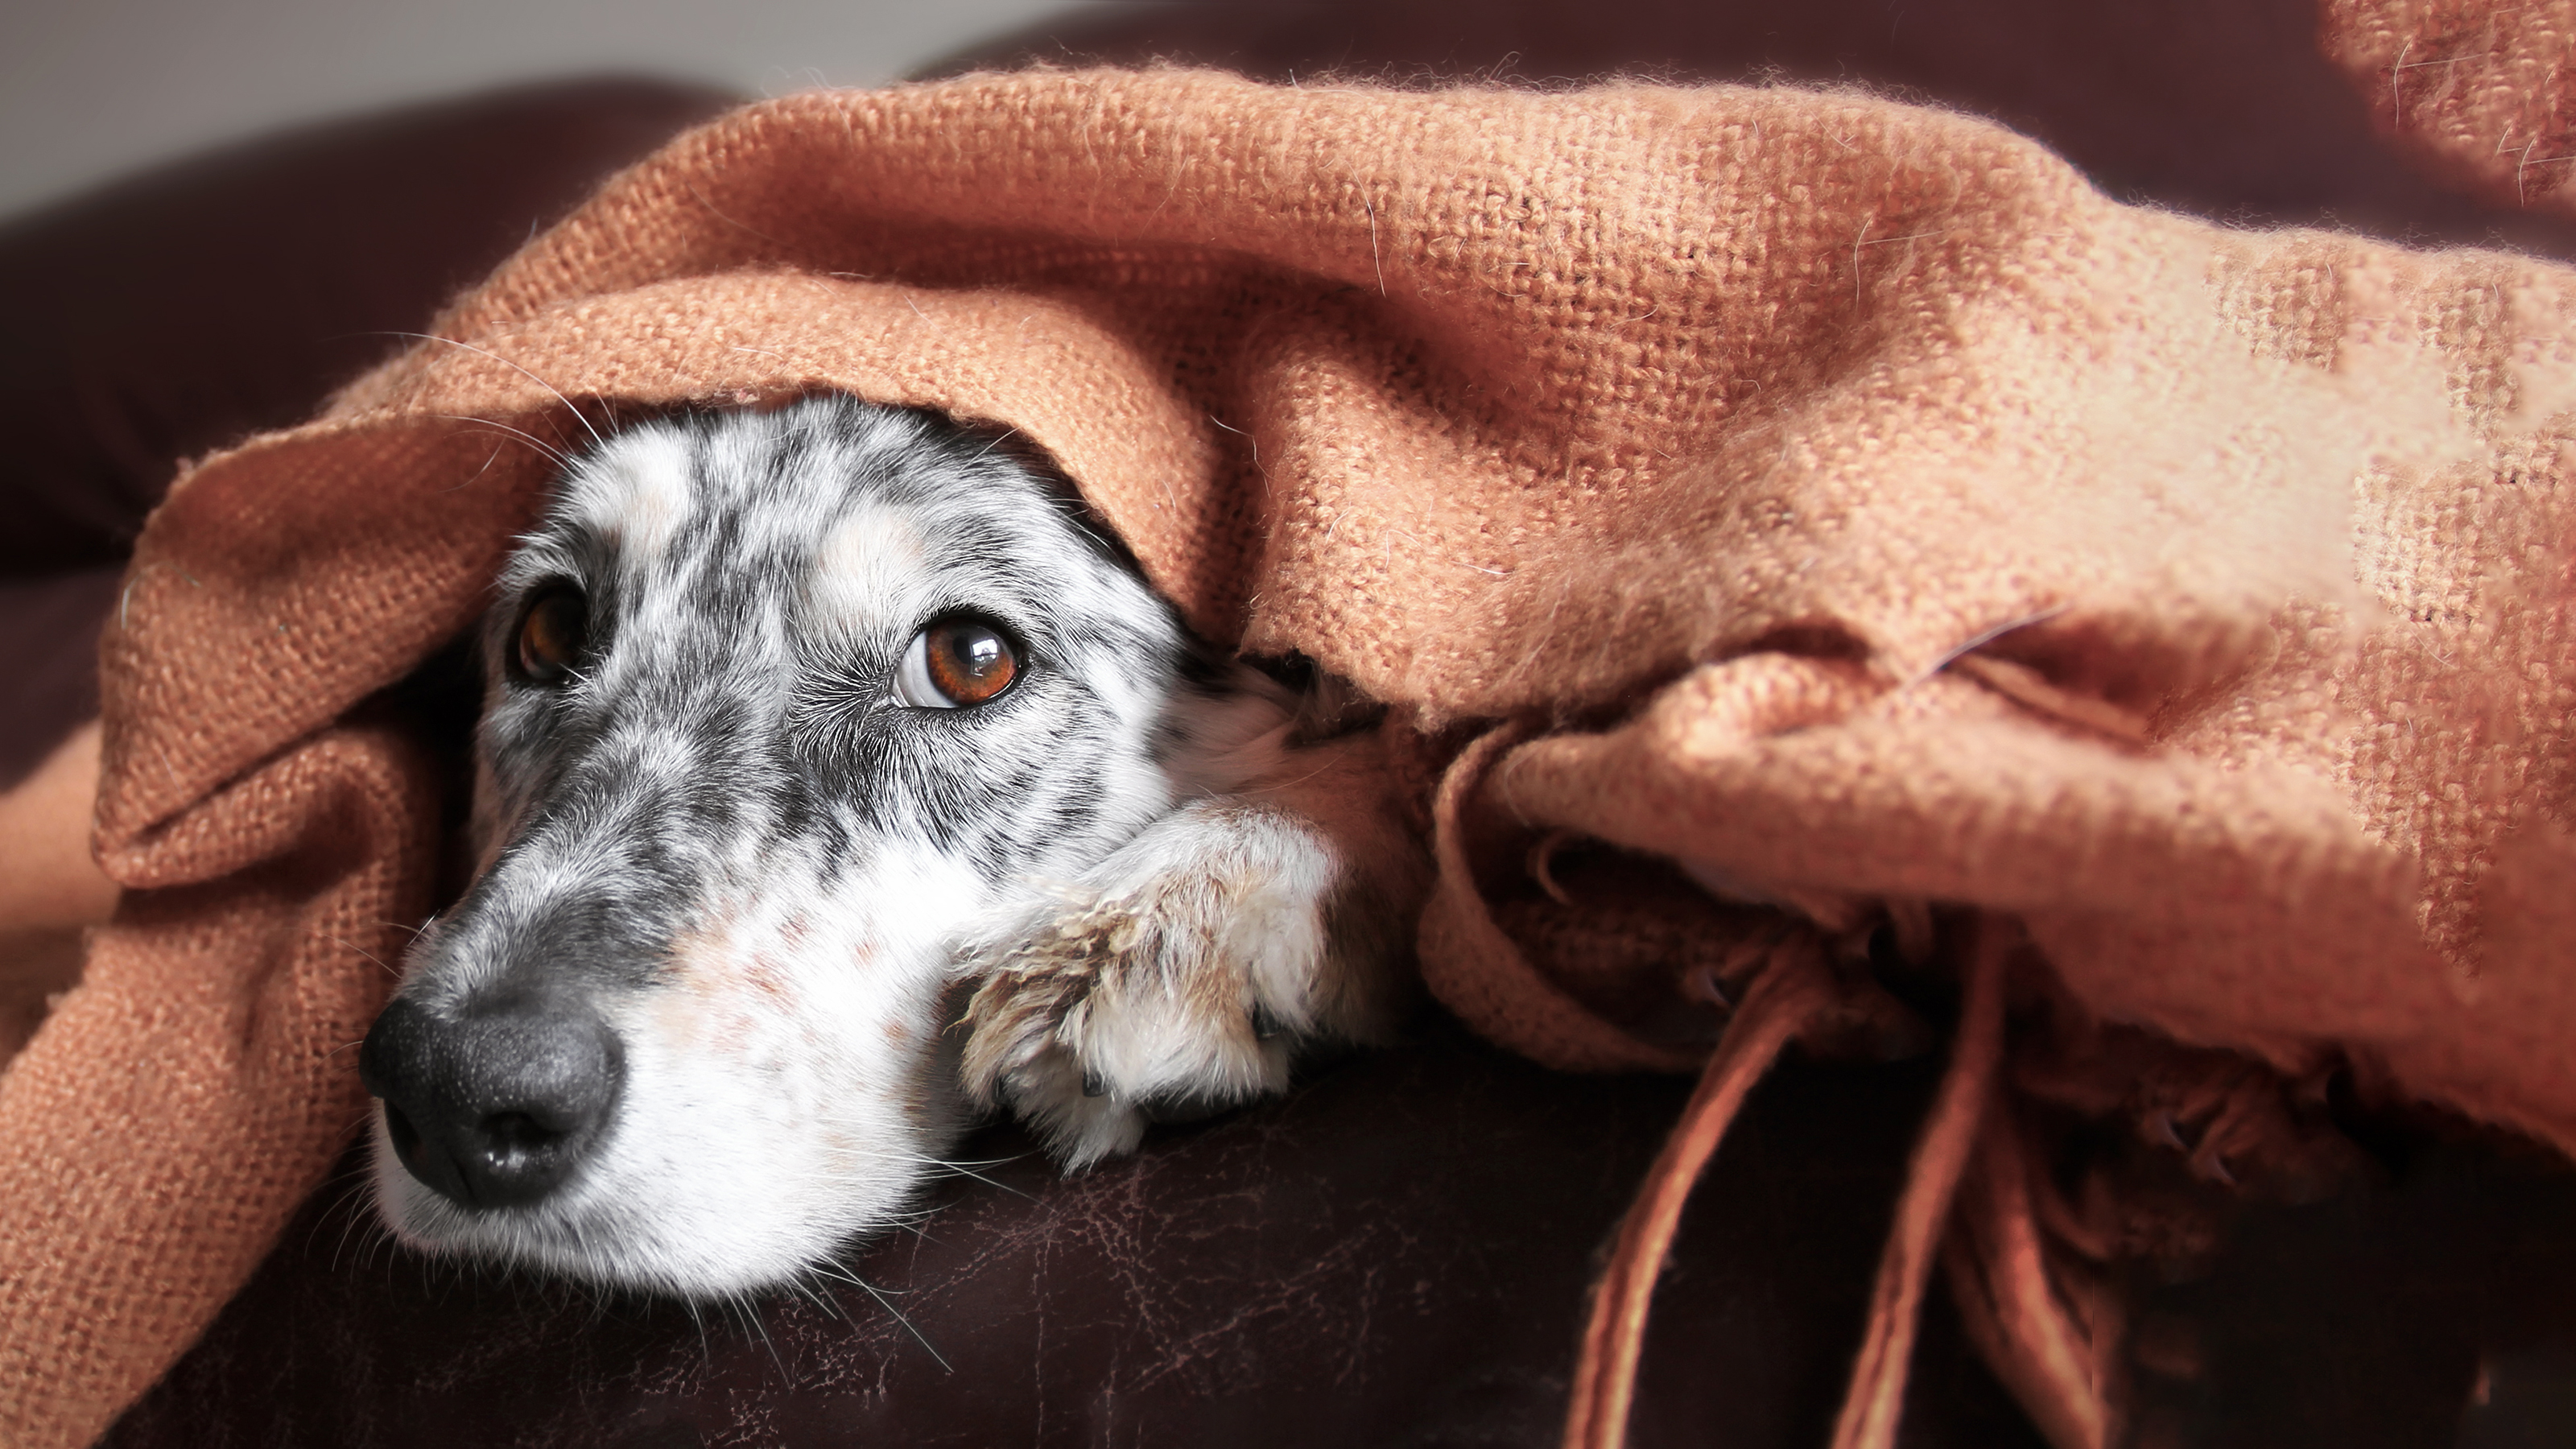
956 663
551 635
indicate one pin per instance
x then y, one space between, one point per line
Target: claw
1092 1086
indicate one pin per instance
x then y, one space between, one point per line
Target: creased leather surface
1395 1255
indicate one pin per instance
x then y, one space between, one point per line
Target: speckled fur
779 883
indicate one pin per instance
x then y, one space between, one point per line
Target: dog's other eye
551 635
956 663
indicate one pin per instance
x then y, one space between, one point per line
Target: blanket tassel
1875 1403
1784 1002
1998 1268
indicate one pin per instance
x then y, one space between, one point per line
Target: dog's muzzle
497 1105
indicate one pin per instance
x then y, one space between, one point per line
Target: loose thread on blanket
1875 1403
1784 1000
1999 1274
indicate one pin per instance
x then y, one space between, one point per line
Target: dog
838 781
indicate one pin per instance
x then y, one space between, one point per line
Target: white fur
799 943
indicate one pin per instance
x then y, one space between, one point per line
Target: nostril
515 1142
519 1130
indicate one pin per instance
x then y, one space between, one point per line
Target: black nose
498 1105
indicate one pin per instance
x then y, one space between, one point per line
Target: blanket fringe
1784 1000
1875 1403
1788 999
2001 1275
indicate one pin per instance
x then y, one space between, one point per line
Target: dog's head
778 705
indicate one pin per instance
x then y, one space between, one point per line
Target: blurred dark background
95 90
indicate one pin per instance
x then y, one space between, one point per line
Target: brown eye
956 664
551 635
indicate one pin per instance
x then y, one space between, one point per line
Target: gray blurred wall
90 89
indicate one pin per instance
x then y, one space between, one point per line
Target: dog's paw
1177 977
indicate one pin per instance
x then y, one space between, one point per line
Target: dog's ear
1328 705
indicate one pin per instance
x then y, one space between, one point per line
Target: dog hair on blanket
835 779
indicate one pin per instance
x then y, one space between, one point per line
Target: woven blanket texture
1841 499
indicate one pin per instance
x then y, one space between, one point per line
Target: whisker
361 950
560 458
909 1326
505 362
956 1169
